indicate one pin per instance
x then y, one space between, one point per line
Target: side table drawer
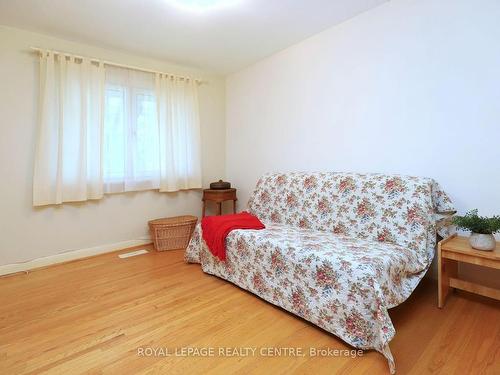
219 197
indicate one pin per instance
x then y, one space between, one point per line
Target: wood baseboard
68 256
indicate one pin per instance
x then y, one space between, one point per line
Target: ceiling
223 39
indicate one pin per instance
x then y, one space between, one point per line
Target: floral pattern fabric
339 249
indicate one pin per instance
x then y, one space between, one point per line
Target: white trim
69 255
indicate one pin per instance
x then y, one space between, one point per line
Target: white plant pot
481 241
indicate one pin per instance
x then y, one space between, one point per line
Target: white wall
26 232
410 87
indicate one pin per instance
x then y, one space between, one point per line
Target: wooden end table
219 196
455 249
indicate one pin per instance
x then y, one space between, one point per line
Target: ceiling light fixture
202 5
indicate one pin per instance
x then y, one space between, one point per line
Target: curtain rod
111 63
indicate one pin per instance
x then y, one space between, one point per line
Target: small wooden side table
456 249
219 196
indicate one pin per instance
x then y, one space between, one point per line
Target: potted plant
482 229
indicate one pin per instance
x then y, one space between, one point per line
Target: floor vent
132 254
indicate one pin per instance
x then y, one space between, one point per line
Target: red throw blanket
216 228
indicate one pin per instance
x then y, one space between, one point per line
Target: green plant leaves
477 224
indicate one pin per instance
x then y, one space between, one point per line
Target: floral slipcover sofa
339 249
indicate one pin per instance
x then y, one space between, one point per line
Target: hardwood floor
92 316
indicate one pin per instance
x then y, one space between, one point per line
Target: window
131 153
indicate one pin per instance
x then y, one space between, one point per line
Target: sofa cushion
386 208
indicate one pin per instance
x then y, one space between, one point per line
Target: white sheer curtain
68 155
104 129
132 160
179 133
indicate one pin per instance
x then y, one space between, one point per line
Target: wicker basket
173 232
